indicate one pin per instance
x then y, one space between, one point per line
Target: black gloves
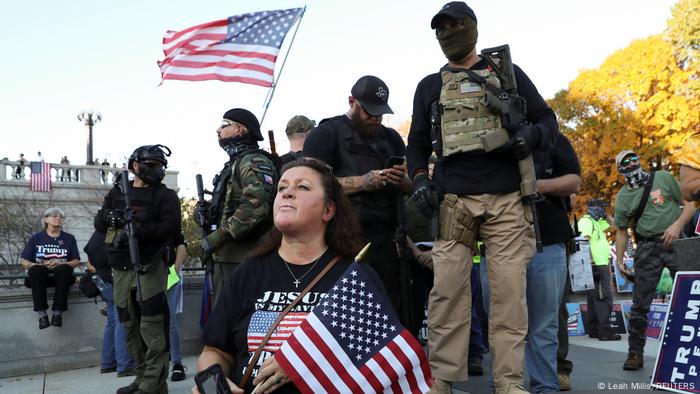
425 195
201 214
115 218
523 141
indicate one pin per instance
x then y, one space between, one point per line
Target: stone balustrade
81 174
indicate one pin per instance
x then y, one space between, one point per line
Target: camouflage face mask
457 42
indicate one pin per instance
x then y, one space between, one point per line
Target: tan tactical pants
505 227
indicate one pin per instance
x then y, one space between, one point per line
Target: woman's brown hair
342 233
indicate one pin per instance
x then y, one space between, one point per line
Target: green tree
190 229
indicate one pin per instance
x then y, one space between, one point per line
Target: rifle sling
256 356
643 202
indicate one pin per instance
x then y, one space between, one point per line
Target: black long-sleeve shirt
156 216
495 172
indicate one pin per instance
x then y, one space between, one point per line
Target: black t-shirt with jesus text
253 297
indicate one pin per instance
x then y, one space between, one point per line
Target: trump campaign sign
678 362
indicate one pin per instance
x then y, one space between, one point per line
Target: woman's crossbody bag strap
254 359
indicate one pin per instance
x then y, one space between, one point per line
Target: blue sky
63 57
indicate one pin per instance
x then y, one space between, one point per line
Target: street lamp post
89 118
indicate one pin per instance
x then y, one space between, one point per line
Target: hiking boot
178 373
129 372
474 367
610 337
564 382
43 322
634 362
512 388
440 387
56 320
130 389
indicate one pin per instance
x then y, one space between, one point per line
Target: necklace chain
298 280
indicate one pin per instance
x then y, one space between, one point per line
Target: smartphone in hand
394 161
212 381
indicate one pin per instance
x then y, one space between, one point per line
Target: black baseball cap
373 94
453 9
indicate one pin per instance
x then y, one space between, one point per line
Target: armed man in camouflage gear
481 185
241 204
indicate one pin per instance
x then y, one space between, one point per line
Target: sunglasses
629 160
226 123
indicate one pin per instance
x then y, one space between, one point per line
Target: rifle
273 148
207 260
512 109
435 114
404 255
129 227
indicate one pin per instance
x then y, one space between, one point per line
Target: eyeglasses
55 215
629 160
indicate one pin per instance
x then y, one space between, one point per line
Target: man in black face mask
140 296
359 149
482 194
241 205
650 202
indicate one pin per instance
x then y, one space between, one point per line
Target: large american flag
40 180
352 342
241 48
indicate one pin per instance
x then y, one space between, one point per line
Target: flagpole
271 92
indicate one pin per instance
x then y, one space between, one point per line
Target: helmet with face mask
629 166
152 162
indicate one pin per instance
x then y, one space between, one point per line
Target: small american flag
352 342
241 48
40 180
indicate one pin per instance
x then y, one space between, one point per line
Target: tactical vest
226 198
143 202
465 118
357 157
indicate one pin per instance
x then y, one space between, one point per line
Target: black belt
655 238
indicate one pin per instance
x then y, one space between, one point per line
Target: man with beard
482 195
241 205
651 201
363 154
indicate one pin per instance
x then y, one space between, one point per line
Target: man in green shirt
660 223
593 227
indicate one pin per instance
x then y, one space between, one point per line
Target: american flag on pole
352 342
40 180
241 48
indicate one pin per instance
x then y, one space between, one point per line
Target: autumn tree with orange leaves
644 97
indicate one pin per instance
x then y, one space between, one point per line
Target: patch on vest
264 167
469 87
268 179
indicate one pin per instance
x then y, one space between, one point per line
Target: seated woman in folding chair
49 258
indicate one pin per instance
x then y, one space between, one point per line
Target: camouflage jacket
247 208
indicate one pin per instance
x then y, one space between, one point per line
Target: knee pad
156 305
